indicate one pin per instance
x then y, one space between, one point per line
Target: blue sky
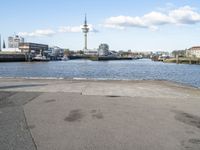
138 25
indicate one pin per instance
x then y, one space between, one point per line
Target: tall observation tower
85 31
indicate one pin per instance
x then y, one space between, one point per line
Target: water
143 69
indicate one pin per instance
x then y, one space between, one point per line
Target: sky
138 25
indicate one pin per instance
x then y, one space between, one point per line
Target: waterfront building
85 30
103 49
13 41
55 52
114 53
193 52
33 48
7 49
161 53
91 52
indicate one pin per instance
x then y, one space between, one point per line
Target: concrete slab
113 115
92 87
14 132
72 121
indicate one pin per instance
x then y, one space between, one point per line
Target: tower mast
85 31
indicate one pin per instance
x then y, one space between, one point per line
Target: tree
181 53
66 52
81 52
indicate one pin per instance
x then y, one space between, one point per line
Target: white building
13 41
103 50
193 52
91 52
55 52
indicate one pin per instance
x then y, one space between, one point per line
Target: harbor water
143 69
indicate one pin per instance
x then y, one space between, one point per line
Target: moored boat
65 58
40 58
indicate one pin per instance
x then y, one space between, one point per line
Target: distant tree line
68 52
180 53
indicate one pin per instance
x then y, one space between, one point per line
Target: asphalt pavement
41 114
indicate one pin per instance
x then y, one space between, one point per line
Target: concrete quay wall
12 57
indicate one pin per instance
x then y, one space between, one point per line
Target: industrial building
32 48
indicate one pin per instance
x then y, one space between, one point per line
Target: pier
6 57
21 57
43 114
178 60
183 60
99 58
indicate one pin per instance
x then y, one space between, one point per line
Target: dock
21 57
15 57
183 60
49 114
100 58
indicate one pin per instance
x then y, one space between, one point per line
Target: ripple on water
143 69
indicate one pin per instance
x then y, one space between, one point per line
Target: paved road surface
95 115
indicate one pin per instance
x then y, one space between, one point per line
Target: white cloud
182 15
75 29
38 33
112 26
50 32
185 15
123 21
64 29
155 18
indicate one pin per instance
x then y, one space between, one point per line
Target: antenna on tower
85 19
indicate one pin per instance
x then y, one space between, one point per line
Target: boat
39 57
65 58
